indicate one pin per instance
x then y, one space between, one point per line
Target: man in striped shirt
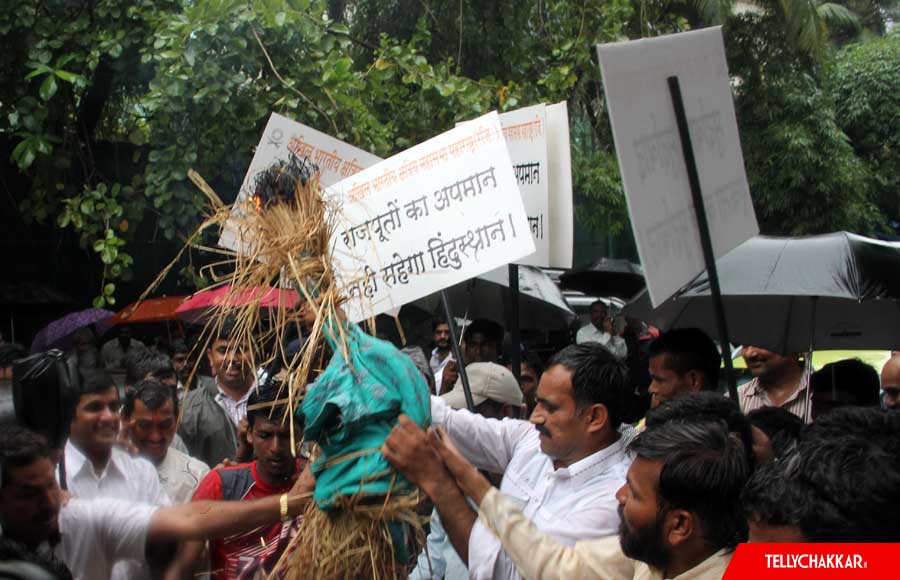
778 381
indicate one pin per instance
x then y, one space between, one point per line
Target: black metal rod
703 225
460 363
515 338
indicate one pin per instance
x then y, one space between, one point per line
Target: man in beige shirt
681 515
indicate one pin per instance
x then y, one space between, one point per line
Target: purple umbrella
58 334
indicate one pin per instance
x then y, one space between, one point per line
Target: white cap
488 381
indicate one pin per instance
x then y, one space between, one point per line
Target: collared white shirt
125 477
133 479
180 474
98 533
437 367
236 410
615 344
573 503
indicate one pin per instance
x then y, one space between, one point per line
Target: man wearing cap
496 395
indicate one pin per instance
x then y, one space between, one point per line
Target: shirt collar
222 395
597 461
76 461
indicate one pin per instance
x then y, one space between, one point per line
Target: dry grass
285 242
350 542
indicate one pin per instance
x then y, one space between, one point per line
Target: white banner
282 137
439 213
651 160
559 163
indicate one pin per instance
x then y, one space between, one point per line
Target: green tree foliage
106 105
804 176
864 82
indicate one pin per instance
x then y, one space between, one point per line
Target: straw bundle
285 229
355 541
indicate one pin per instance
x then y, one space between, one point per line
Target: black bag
44 387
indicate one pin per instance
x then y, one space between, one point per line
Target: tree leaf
48 88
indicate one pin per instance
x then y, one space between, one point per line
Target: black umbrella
834 291
605 277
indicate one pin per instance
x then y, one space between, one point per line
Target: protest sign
439 213
282 138
559 169
651 159
525 132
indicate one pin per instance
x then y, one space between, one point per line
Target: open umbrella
541 304
199 306
834 291
605 277
149 310
58 334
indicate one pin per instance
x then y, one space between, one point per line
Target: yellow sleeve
537 555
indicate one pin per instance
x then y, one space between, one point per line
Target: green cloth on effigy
350 410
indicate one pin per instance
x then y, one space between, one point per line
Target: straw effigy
285 229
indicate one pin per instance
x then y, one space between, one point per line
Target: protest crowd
565 472
287 423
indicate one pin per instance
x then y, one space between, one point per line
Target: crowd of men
557 472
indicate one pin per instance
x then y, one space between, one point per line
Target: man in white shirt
95 467
563 468
441 355
90 535
601 330
151 415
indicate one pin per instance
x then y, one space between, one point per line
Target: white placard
439 213
283 137
559 162
525 132
651 159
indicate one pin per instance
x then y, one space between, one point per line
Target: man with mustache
564 467
251 555
151 415
88 536
778 381
680 512
214 409
682 360
441 355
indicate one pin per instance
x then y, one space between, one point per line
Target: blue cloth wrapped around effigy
350 410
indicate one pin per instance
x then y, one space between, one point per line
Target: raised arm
534 553
407 450
215 519
488 443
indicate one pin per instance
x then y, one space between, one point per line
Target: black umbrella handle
460 363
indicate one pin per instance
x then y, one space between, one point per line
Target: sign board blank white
651 159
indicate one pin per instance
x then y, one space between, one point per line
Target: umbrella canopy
200 305
541 304
606 277
150 310
58 334
835 291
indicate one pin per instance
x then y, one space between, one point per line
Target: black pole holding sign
703 225
460 363
515 337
